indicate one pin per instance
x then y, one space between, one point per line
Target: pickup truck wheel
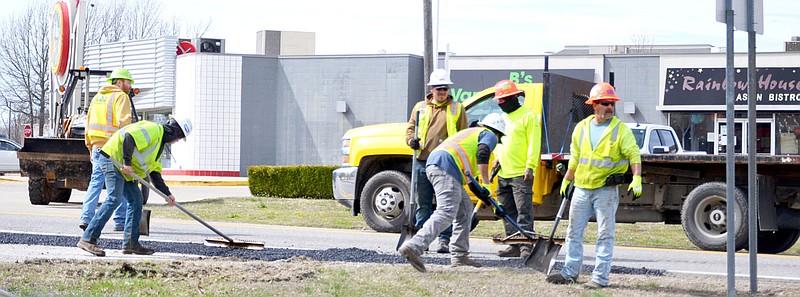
39 191
383 200
60 195
776 242
704 221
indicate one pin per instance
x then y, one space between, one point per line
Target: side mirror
660 150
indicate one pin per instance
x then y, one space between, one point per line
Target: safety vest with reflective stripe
103 118
453 112
145 159
463 147
613 153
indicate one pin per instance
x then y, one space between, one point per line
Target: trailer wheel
383 200
770 242
39 191
704 221
60 195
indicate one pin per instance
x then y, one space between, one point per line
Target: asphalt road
17 215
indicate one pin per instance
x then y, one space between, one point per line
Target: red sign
27 130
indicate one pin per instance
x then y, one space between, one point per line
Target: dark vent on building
792 46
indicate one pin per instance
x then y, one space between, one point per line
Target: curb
217 183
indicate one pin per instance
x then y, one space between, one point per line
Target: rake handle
166 198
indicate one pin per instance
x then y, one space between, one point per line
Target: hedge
291 181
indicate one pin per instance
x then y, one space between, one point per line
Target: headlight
345 151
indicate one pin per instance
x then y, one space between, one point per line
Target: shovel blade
406 233
543 256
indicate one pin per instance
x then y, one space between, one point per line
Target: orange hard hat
602 91
505 88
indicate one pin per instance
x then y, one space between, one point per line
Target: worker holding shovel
602 149
463 154
137 149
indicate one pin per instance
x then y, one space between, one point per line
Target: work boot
83 226
464 261
525 251
91 248
139 250
412 257
511 252
444 247
557 278
594 285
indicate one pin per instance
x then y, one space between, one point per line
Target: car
8 156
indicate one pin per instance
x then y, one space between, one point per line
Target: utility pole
427 27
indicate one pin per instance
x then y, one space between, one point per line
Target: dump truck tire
38 191
770 242
383 200
60 195
704 221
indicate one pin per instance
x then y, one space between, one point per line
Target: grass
330 214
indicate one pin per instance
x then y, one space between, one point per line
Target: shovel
544 253
407 230
477 189
225 241
474 222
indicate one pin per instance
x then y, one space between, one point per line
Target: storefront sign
468 82
707 86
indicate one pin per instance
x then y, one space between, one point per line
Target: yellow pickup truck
374 179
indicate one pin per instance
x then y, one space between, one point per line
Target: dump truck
686 188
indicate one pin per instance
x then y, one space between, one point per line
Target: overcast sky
476 27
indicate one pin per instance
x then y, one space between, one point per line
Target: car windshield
638 134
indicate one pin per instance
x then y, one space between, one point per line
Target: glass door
764 136
722 137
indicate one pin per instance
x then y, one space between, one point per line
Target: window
654 140
668 140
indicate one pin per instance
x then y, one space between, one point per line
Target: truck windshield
638 134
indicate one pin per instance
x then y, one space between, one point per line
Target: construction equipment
407 230
225 241
544 253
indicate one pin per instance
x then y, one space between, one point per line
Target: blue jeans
602 203
93 194
425 201
119 191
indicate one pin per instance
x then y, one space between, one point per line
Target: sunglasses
442 88
606 103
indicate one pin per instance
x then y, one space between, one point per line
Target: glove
414 143
487 189
564 185
636 187
499 211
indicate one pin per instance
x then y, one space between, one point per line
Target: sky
476 27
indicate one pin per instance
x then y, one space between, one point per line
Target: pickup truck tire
39 191
383 200
703 217
770 242
60 195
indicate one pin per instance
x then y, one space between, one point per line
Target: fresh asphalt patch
272 254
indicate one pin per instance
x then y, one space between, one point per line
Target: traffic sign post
27 130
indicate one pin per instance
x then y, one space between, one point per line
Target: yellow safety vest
463 147
614 152
521 144
145 159
453 112
102 115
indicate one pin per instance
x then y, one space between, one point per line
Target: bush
291 181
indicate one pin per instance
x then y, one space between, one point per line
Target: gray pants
515 194
453 206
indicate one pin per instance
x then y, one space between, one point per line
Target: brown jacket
437 130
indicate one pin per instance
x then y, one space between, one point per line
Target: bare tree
24 68
119 20
641 43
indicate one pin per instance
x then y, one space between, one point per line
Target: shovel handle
166 198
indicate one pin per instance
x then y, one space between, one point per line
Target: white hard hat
439 77
186 126
494 121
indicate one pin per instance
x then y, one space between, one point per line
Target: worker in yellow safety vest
601 151
466 153
518 157
138 149
439 117
110 110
